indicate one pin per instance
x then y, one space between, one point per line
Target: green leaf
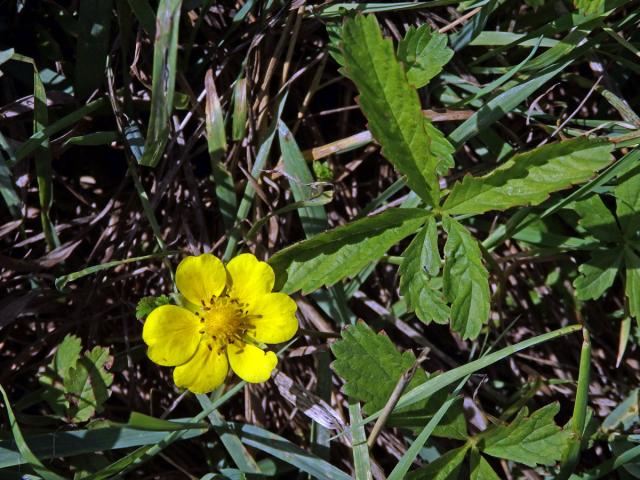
421 259
589 7
632 283
531 440
288 452
165 53
371 366
26 455
390 104
147 304
627 194
424 53
529 178
313 219
598 274
78 442
445 467
466 280
240 108
480 468
597 219
217 146
438 382
65 358
87 385
344 251
67 355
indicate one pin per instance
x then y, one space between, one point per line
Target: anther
209 347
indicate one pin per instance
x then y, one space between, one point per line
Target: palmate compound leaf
424 53
466 280
342 252
392 106
421 261
529 439
371 366
530 177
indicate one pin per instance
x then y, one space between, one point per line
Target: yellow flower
232 312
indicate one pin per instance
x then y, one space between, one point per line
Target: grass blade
165 51
284 450
25 452
361 460
571 456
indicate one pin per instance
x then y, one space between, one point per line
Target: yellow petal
250 363
277 320
172 335
250 278
205 371
199 278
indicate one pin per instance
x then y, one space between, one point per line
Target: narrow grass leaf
302 183
632 283
25 454
44 159
238 452
502 104
249 191
217 145
402 467
359 447
240 109
7 185
62 281
70 443
284 450
310 264
165 51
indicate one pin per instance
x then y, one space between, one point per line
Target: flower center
224 320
